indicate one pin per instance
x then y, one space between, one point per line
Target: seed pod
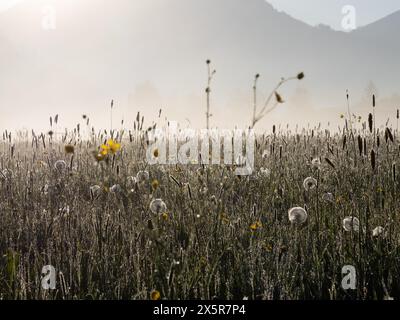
373 101
330 163
278 97
344 141
373 160
370 122
389 135
360 145
378 141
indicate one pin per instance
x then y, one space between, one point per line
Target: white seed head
328 197
142 176
351 223
297 215
378 231
309 183
116 188
60 165
157 206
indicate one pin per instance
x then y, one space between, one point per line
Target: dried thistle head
278 97
300 76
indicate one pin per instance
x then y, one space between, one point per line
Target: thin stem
264 111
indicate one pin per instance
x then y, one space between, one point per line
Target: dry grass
222 236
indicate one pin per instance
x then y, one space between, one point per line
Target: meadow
115 227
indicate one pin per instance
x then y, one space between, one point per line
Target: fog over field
148 55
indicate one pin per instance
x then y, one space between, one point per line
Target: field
90 213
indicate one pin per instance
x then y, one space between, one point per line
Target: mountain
148 55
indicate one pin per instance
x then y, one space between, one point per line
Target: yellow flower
105 147
155 295
255 226
99 156
164 216
113 146
224 218
268 247
103 152
155 184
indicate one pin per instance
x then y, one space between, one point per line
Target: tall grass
222 237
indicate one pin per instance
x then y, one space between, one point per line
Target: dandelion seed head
297 215
309 183
60 165
351 224
328 197
116 188
131 180
142 176
157 206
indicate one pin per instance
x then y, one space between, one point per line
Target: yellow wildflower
155 184
255 226
164 216
155 295
113 146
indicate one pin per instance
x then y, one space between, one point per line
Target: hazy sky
6 4
147 55
330 11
